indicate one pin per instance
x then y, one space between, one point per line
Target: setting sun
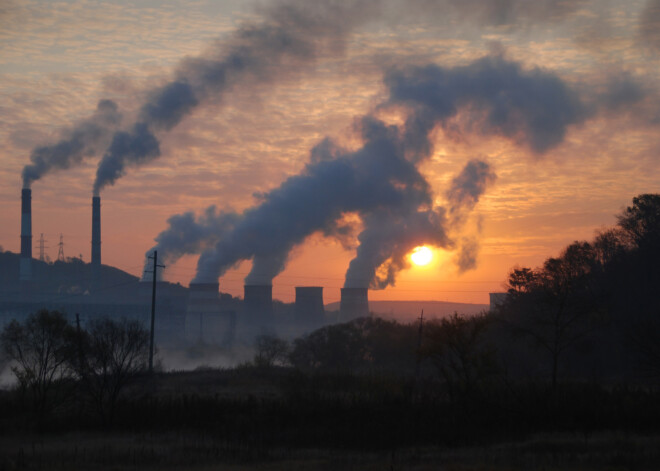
421 255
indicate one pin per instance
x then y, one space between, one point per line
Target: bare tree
111 354
270 350
40 350
455 345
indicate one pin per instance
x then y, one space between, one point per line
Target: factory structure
200 313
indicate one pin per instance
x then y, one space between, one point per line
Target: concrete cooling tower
258 306
309 310
206 322
354 303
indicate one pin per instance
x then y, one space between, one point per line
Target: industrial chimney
258 306
96 232
309 310
354 303
25 270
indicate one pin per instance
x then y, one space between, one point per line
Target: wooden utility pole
419 345
153 311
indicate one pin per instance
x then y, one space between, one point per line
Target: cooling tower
309 310
205 321
258 305
25 270
354 303
96 232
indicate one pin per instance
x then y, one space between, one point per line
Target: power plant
200 314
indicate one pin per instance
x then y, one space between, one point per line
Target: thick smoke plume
292 36
87 138
187 234
381 183
533 108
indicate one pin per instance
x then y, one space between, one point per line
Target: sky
245 106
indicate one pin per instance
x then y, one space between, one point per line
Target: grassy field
200 452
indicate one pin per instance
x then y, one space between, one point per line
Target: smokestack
25 273
354 303
96 232
309 310
258 305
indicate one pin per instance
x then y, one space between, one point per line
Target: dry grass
199 452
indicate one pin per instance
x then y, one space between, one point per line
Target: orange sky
57 60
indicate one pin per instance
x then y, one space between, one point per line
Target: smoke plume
187 234
87 138
533 108
381 182
292 36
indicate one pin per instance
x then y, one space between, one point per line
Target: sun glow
421 255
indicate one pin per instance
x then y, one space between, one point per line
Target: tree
334 347
368 343
110 354
553 305
641 221
41 350
270 350
455 345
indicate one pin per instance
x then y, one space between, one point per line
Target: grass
193 451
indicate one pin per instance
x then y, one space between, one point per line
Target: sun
421 255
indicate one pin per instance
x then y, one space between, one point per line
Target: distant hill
72 281
407 311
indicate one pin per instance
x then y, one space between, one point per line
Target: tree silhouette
41 351
110 354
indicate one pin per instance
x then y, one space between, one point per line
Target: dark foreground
202 451
278 418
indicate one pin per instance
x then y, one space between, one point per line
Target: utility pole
419 344
153 311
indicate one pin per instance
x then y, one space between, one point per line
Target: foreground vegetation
563 375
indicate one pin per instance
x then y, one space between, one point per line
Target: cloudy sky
559 100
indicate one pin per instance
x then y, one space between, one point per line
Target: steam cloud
292 35
381 182
87 138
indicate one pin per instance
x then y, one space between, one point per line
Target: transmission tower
42 247
60 252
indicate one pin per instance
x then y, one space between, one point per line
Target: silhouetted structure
258 306
354 303
205 320
309 310
25 270
96 231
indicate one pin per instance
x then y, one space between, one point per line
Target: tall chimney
354 303
258 305
96 232
309 310
25 271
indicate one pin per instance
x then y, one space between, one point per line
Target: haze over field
325 141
